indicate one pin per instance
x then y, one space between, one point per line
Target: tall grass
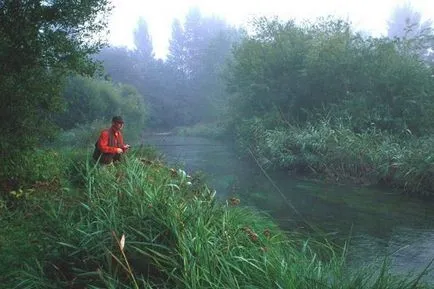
143 225
333 150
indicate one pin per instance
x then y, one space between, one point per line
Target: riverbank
377 219
144 225
402 162
335 153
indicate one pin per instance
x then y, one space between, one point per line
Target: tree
176 55
41 42
149 76
197 53
405 22
186 88
288 73
143 41
89 99
406 25
119 64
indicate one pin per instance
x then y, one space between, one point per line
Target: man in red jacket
110 145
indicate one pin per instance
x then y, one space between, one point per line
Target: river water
374 222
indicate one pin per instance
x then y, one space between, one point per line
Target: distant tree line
290 73
186 88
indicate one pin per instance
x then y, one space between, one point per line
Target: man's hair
117 119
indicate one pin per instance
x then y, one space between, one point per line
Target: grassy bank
143 225
337 153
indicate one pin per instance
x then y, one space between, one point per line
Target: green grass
335 152
176 235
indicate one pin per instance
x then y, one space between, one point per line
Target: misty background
187 84
338 93
302 93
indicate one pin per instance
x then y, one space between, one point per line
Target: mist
189 85
210 144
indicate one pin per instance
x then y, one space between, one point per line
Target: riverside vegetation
319 98
141 224
314 97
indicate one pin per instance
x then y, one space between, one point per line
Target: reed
141 224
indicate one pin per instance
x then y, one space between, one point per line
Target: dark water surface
377 222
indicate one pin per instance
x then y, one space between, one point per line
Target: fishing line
288 202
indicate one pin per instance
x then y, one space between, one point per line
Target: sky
370 16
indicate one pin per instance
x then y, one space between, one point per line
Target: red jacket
104 144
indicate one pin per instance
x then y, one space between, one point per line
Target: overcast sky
367 15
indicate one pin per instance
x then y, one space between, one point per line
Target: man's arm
103 144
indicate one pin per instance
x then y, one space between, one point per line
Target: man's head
117 122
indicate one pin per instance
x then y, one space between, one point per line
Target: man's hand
127 146
119 150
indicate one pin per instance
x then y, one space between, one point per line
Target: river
374 222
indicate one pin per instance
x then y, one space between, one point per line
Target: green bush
89 100
321 98
288 72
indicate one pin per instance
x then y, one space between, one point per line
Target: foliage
32 166
331 149
143 41
41 42
82 136
119 64
406 23
36 174
90 99
143 225
187 88
320 98
197 54
289 71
